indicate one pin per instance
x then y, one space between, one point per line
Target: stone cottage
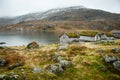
65 39
90 38
97 37
116 33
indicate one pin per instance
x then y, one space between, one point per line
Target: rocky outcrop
2 77
33 45
3 62
116 65
61 64
37 70
55 68
109 59
65 63
10 67
115 50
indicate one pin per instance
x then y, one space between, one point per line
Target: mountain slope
76 13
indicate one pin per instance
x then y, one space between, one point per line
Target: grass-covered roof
91 33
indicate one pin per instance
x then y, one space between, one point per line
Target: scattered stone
33 45
3 62
22 70
103 68
109 59
63 47
59 58
37 70
11 67
115 50
55 57
100 51
12 76
55 68
116 65
64 64
14 66
2 76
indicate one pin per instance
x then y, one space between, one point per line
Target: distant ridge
69 18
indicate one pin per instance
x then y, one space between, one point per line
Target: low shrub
15 58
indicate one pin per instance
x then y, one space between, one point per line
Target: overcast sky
20 7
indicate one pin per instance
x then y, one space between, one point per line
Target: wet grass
87 62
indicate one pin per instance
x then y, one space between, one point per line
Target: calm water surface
23 38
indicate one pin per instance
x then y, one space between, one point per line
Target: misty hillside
76 13
70 18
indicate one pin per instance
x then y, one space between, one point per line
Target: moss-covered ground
87 59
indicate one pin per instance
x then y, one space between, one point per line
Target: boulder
12 76
115 50
103 68
33 45
55 68
14 66
64 63
59 58
2 77
55 57
63 47
116 65
37 70
109 59
3 62
11 67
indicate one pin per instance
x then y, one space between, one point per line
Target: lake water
23 38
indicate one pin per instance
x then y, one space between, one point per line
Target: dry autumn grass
87 61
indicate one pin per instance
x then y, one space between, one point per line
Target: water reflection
23 38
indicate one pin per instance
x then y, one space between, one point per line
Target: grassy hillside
38 25
87 62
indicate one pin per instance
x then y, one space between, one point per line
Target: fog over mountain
74 13
10 8
77 17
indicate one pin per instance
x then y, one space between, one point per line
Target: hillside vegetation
87 62
38 25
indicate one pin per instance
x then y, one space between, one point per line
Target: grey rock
116 65
59 58
14 66
2 76
55 56
11 67
33 45
109 59
116 50
13 76
63 47
37 70
3 62
103 68
55 68
64 63
22 70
